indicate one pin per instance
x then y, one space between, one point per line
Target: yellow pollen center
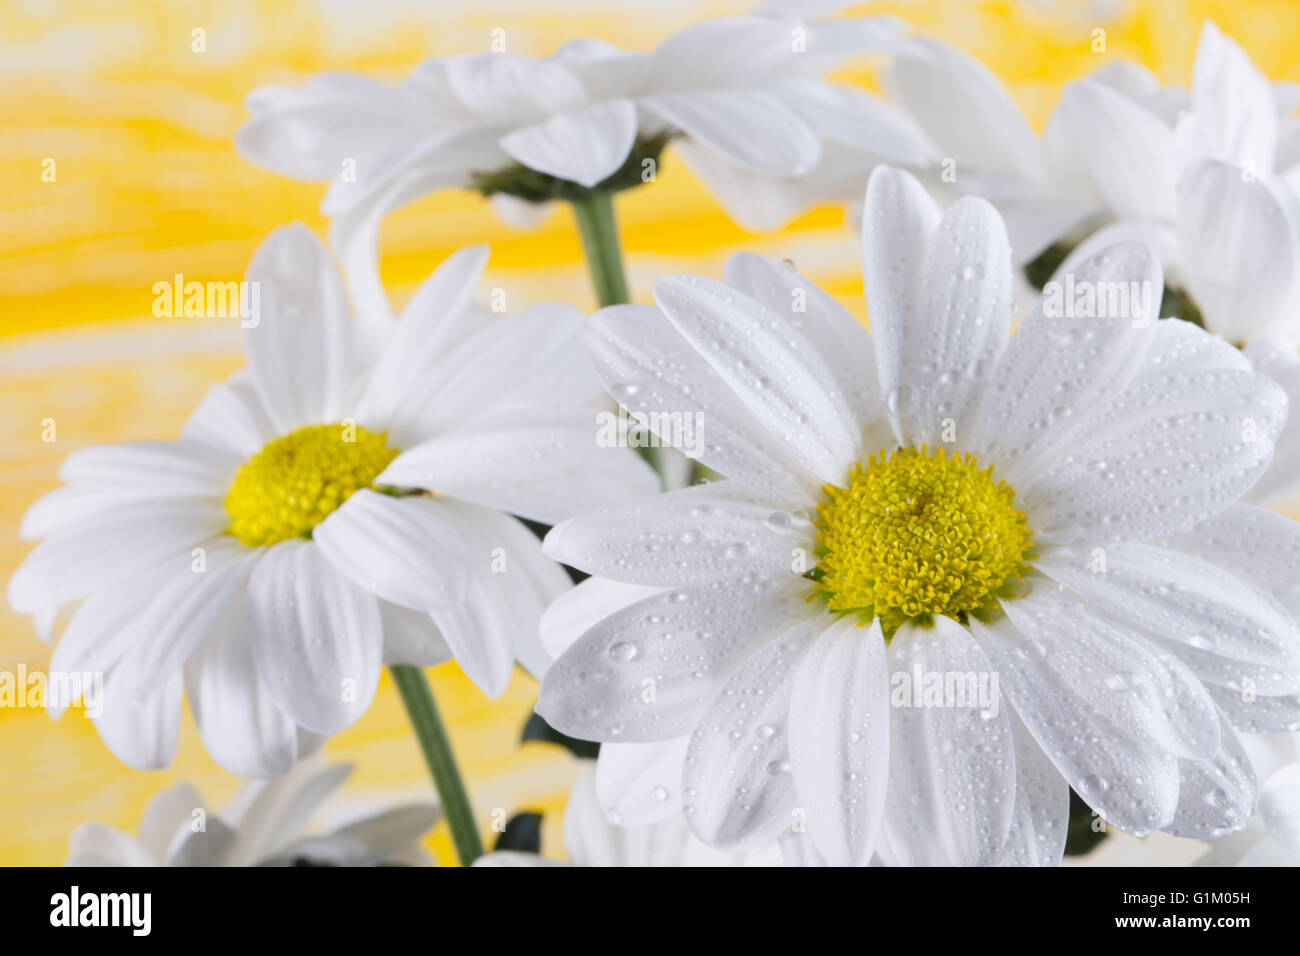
294 482
916 534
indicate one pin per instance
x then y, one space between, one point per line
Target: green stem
599 231
429 729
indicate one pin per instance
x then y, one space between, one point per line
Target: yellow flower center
294 482
915 534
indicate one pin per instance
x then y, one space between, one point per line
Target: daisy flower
592 839
1212 189
984 145
265 825
948 572
744 98
344 502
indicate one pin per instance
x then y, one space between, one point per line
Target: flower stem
417 695
596 224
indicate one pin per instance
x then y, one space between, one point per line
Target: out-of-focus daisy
592 839
985 145
743 98
344 502
1209 188
1272 838
265 825
1055 511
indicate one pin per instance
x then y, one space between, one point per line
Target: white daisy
1055 510
591 839
342 503
985 146
744 97
265 825
1211 188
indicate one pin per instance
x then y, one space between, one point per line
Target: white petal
399 549
239 722
1258 546
737 788
1183 599
1279 806
641 784
505 86
1279 359
211 846
1238 250
751 128
94 844
961 325
1233 102
537 462
161 468
298 350
231 416
510 584
583 146
141 734
897 224
410 637
165 813
1141 689
705 534
389 836
437 319
354 228
1215 796
834 334
109 547
102 630
728 51
305 132
1042 812
952 767
270 814
651 369
187 606
1123 774
839 739
1254 711
1057 371
964 107
648 672
1199 439
316 637
572 613
1130 150
521 349
770 365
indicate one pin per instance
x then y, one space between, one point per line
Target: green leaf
523 833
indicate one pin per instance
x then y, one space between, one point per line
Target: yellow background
147 185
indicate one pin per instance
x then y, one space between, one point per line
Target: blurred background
146 184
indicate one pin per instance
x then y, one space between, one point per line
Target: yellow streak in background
148 185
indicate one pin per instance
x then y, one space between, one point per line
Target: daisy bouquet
975 582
